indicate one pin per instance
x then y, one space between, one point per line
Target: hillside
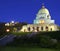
40 39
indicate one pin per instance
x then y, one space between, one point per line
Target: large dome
43 16
43 10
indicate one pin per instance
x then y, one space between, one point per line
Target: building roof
43 10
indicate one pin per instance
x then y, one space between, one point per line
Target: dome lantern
44 10
43 6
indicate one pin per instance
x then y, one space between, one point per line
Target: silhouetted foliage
41 39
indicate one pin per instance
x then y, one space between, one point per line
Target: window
46 28
37 28
41 21
48 16
41 17
41 28
28 28
51 29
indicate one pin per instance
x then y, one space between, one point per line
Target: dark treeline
3 28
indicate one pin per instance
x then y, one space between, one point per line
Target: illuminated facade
43 16
42 22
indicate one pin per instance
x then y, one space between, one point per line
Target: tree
46 41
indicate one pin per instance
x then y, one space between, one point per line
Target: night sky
26 10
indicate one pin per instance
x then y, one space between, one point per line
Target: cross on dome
43 5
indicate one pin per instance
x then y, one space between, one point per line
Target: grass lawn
26 49
21 33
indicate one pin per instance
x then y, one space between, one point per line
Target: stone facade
42 22
39 27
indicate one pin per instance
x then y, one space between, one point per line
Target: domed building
42 22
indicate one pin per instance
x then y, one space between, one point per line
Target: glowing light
12 21
7 30
42 21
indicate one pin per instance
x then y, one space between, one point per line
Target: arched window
48 16
41 21
28 28
51 29
46 28
41 28
37 28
